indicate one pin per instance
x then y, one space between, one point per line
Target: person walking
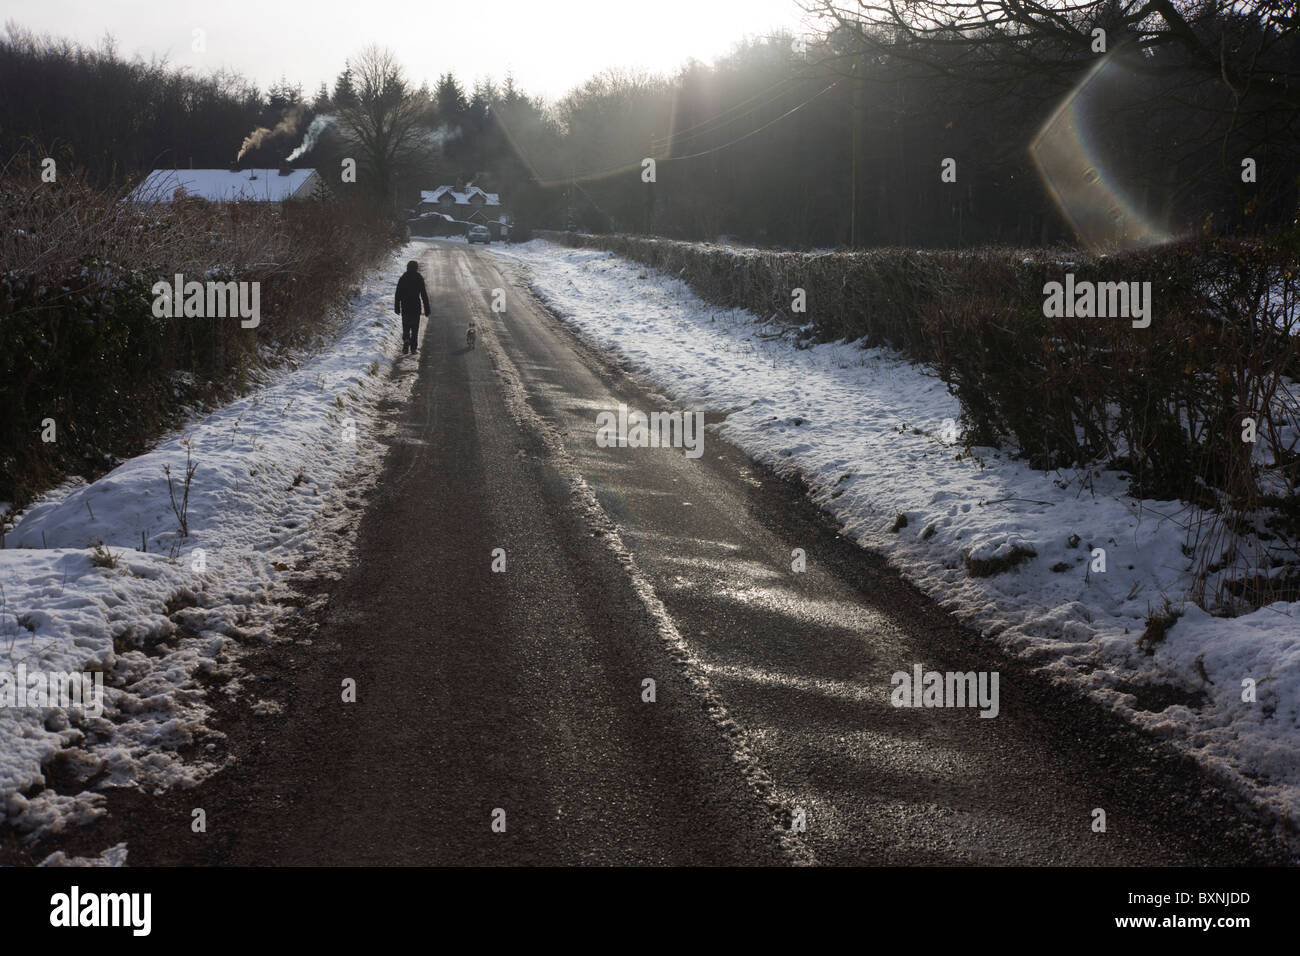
406 303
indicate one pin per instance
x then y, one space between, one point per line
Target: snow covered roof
459 197
223 185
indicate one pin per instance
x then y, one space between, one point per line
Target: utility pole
650 193
858 79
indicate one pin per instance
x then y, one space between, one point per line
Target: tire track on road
516 395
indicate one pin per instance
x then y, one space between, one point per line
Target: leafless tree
1248 46
385 122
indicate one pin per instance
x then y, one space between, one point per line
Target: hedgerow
80 345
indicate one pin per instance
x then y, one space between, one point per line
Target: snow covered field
158 622
872 434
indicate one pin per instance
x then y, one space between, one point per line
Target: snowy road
501 716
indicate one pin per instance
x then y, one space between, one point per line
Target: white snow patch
113 856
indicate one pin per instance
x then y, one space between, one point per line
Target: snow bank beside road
160 622
866 429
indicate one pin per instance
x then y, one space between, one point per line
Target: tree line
889 125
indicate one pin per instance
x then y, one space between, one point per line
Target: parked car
480 234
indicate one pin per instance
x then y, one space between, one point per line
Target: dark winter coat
410 293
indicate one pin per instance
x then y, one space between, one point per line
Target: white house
227 185
468 203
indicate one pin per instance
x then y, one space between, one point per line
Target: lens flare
1079 155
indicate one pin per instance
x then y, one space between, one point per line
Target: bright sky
549 45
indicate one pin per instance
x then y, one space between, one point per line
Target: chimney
285 169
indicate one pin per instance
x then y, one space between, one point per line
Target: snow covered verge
1013 552
81 596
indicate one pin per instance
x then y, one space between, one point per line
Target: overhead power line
760 129
636 164
721 118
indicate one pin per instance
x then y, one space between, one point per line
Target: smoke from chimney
313 134
440 137
289 124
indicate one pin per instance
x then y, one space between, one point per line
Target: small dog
470 336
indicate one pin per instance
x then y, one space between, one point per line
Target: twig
4 606
182 509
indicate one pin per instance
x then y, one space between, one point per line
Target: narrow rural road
522 690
